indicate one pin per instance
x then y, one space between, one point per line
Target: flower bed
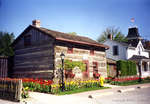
38 85
76 84
47 86
127 81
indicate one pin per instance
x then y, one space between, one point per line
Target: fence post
3 66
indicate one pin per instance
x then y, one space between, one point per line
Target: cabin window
86 72
70 50
27 40
91 52
95 67
115 50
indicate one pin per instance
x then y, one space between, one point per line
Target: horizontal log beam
38 59
33 49
44 75
33 66
32 57
42 62
41 71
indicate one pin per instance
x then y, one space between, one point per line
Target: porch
143 65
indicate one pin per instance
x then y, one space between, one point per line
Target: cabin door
86 72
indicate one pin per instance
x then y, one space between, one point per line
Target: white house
131 50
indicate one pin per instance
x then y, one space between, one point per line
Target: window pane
27 40
115 50
70 50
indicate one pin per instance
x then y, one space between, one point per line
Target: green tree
115 32
5 44
72 33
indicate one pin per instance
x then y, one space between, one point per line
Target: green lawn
81 90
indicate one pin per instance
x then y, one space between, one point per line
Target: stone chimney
36 23
110 36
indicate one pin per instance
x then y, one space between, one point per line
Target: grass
81 90
130 82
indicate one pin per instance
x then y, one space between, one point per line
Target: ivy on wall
70 65
126 68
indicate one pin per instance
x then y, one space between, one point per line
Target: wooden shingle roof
72 38
66 37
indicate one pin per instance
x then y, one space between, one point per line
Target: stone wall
82 55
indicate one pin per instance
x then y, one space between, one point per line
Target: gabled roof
122 43
133 43
64 37
138 58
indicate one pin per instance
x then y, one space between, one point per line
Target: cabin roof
64 37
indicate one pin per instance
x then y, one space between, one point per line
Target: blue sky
85 17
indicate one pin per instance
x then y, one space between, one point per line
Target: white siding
135 51
122 50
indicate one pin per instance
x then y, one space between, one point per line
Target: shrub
126 68
69 65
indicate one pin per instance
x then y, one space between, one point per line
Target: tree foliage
115 32
72 33
5 44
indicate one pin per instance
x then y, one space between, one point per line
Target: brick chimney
110 36
36 23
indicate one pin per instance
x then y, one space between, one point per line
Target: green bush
126 68
69 65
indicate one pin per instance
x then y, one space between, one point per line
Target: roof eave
14 42
86 43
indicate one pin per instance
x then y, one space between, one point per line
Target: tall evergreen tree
5 44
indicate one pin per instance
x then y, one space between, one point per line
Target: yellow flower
26 88
54 85
102 81
71 82
67 83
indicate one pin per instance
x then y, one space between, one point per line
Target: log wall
36 60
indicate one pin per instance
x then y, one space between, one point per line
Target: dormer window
27 40
115 50
70 50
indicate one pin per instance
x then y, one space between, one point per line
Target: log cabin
37 53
